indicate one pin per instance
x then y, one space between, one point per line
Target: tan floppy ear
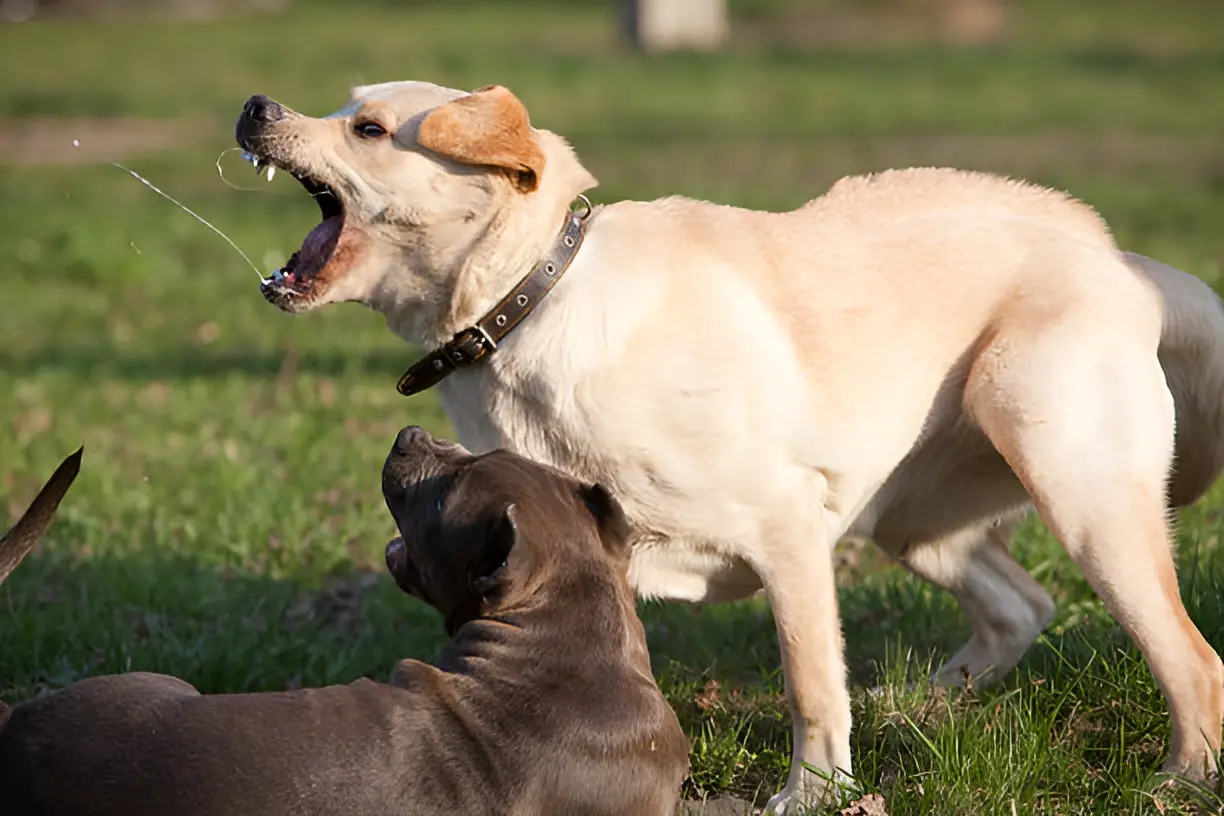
488 126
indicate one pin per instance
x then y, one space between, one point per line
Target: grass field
228 527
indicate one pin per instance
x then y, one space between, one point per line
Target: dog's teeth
255 161
271 171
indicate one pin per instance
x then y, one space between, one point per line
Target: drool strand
184 208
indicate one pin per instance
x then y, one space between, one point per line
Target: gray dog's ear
489 127
613 525
490 565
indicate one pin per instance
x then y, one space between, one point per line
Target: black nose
396 555
410 437
260 108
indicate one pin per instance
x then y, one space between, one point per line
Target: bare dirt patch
47 140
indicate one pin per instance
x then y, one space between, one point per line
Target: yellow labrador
917 356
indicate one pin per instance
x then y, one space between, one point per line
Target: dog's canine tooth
271 171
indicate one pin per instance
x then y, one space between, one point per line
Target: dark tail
1192 356
29 529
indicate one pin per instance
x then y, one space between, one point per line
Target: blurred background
228 525
111 294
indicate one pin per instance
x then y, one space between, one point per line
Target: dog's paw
814 790
1204 788
787 803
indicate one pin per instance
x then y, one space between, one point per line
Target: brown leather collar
475 342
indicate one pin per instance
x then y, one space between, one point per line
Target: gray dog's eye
438 505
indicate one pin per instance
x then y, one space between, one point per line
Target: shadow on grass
65 617
1081 715
1083 699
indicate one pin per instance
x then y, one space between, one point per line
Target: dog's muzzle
396 556
258 112
416 455
414 442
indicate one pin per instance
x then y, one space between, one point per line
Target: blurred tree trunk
669 25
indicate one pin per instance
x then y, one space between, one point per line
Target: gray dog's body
543 702
144 743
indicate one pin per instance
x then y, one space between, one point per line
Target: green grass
227 525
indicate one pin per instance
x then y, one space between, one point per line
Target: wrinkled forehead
501 478
405 98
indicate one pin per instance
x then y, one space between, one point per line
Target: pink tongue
318 246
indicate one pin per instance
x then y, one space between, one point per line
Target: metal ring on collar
585 212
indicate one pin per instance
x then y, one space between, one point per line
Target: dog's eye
370 130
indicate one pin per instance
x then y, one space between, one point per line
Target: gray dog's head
479 533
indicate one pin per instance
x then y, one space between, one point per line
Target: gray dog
543 703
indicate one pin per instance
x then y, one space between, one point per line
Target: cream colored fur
917 356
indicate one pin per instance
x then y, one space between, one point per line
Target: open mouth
295 280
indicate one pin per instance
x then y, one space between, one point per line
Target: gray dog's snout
410 437
396 555
260 108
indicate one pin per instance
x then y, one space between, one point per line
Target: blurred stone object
21 10
727 806
655 26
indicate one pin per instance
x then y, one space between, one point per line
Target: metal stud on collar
472 344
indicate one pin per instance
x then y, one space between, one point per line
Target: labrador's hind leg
1006 607
1088 428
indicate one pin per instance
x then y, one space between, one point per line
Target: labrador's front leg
798 580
